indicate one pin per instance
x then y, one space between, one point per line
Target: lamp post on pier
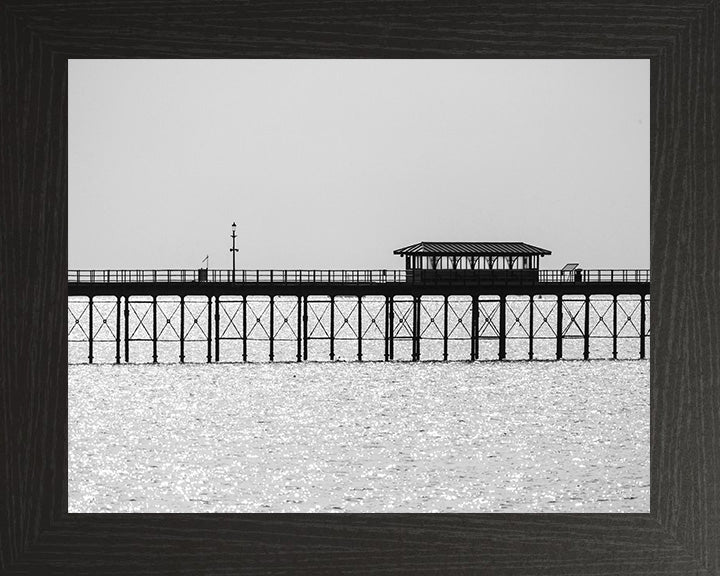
233 250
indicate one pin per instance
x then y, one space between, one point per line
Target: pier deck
363 282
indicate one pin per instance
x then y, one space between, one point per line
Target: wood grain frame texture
681 535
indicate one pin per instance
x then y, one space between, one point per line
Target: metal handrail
501 277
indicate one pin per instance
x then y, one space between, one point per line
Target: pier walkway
202 281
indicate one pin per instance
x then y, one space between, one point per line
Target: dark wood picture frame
681 534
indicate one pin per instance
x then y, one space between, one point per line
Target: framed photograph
126 134
336 366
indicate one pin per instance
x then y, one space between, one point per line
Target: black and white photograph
364 286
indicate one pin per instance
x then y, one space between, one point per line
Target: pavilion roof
472 249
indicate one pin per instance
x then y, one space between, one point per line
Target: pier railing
345 276
595 276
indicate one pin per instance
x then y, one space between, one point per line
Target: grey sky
335 163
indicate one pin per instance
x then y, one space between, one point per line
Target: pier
478 298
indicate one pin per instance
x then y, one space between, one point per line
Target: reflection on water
566 436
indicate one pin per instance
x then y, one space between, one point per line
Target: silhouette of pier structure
448 293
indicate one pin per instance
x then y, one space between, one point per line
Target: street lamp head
233 225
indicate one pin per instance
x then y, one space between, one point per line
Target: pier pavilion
480 261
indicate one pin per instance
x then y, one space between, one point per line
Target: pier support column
272 328
559 347
412 332
117 331
154 334
614 333
419 326
387 326
474 329
209 329
359 334
445 328
586 331
503 331
90 331
332 327
182 329
416 329
391 318
127 329
305 328
299 329
244 328
642 326
217 328
531 334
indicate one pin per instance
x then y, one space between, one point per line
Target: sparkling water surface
567 436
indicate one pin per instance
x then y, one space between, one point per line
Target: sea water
554 436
